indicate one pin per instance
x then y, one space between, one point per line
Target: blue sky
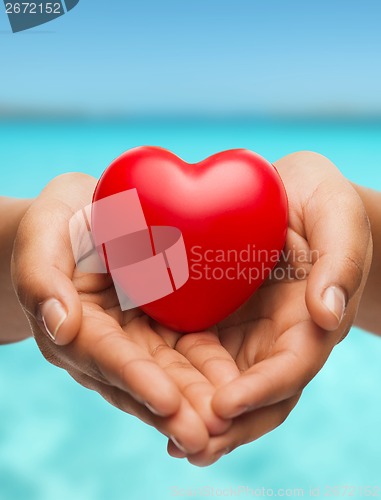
198 56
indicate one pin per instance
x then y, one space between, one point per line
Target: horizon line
18 115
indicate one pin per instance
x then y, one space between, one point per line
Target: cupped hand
283 335
252 367
79 326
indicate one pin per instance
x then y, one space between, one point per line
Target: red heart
228 206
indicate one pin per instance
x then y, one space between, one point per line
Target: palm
276 349
198 363
261 327
251 367
270 337
131 343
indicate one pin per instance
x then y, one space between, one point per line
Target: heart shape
232 212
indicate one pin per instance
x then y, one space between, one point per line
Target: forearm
13 323
369 314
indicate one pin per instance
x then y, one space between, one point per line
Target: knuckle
159 350
353 267
191 342
123 374
127 370
215 359
308 157
194 387
71 178
178 364
312 162
354 205
24 285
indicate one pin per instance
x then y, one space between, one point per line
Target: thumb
43 262
338 232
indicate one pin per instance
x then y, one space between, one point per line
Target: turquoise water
59 441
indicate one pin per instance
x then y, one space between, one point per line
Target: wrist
12 210
369 316
13 323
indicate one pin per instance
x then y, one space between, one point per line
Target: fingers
245 429
205 352
194 386
104 351
185 427
199 393
337 229
298 355
42 262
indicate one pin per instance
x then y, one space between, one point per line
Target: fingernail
334 300
240 410
153 409
53 315
178 444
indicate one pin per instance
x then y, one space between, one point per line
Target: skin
282 337
99 346
14 325
368 316
209 392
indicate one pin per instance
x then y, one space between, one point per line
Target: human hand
283 335
261 340
79 326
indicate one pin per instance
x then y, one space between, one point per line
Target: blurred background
195 77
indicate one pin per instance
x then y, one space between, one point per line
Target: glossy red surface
224 205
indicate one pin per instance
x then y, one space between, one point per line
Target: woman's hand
79 326
250 369
14 326
283 335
